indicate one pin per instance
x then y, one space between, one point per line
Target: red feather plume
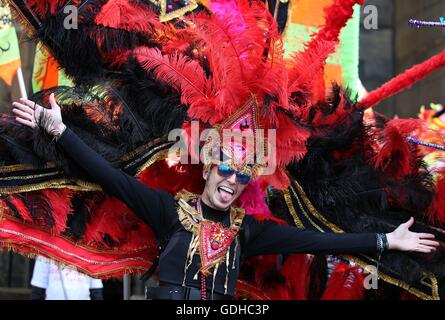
234 44
103 221
173 179
184 75
271 77
253 200
269 278
396 157
40 7
121 14
297 274
291 140
21 208
60 200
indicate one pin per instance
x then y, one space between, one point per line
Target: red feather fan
279 180
291 140
180 40
271 78
307 68
269 278
173 179
289 281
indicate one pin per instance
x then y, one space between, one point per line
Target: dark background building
395 46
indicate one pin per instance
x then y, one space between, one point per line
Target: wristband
62 128
382 242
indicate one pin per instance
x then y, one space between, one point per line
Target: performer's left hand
405 240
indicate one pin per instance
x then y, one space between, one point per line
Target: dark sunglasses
226 171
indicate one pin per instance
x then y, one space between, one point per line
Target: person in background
54 282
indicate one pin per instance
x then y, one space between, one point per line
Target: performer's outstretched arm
152 206
271 238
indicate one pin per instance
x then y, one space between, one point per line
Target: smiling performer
202 257
301 173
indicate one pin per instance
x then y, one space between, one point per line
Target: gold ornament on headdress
236 142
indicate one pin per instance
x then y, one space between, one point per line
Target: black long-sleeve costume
158 209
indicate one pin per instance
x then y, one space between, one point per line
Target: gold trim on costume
20 167
32 176
62 251
140 149
161 155
290 205
314 211
73 184
399 283
304 211
14 247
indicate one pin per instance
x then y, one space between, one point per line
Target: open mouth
226 189
226 192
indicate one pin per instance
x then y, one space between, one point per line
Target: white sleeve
40 275
95 283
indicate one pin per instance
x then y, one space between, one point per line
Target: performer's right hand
32 115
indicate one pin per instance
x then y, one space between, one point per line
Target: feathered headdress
248 85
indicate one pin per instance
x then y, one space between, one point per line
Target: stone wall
377 50
396 46
15 270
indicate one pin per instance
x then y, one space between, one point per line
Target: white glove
31 114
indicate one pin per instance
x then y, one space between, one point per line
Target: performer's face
221 191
